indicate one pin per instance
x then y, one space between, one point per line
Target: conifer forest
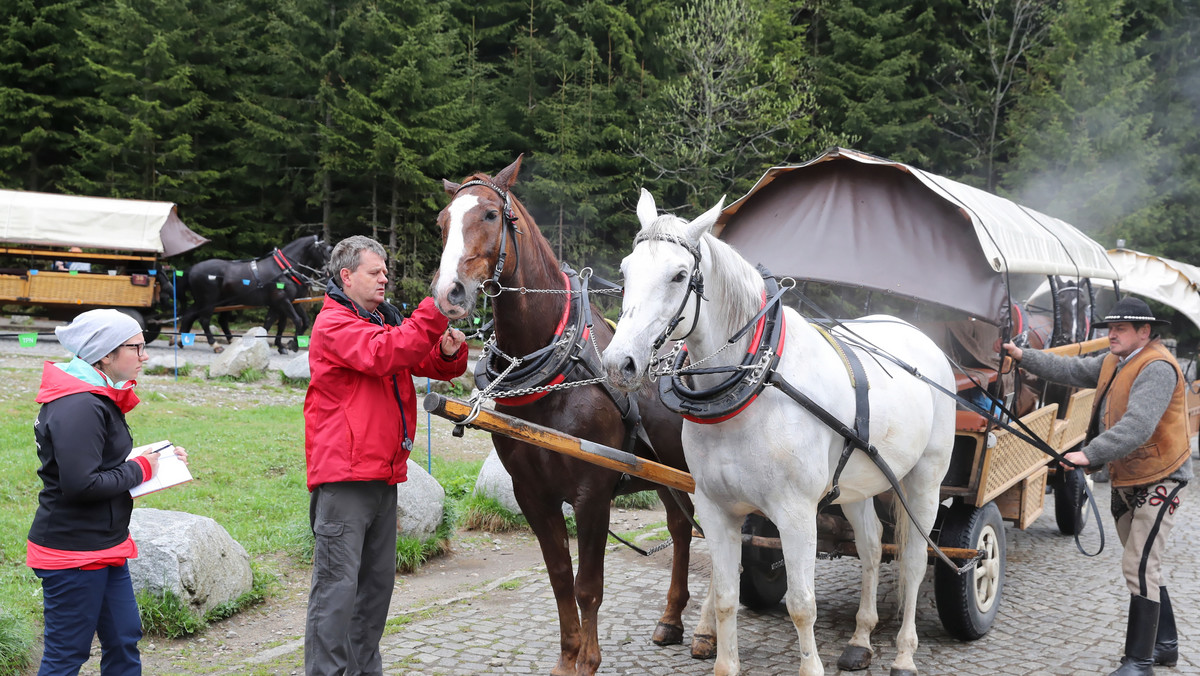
269 119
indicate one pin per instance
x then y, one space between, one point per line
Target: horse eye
679 277
491 215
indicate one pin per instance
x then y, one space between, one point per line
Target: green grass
250 375
184 370
248 465
639 500
168 616
16 640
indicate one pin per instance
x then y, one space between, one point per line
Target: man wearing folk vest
1139 429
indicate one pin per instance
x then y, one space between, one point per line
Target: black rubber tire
967 604
764 577
1070 501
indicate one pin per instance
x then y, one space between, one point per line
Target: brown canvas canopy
854 219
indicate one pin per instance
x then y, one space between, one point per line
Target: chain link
488 393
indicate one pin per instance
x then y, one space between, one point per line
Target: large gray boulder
297 368
494 482
251 351
190 555
420 503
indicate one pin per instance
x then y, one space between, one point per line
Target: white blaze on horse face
455 247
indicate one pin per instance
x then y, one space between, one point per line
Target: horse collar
549 365
732 396
285 266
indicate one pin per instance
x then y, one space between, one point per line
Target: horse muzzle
624 373
454 300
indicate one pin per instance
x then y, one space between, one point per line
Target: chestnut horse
481 217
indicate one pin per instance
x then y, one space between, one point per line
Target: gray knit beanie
95 333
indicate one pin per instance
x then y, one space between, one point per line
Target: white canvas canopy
1170 282
854 219
43 219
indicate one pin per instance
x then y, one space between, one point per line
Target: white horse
775 457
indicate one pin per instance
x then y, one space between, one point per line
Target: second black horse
272 281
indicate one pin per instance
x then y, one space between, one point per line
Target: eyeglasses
140 348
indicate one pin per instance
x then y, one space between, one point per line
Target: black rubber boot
1166 648
1140 634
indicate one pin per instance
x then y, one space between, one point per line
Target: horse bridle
509 218
695 286
287 267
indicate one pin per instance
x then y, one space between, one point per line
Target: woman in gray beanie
79 542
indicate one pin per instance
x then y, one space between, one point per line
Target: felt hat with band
1132 310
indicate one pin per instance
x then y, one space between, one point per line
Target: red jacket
360 413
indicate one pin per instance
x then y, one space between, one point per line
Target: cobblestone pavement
1062 614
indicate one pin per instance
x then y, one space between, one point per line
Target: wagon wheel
1070 501
967 603
764 578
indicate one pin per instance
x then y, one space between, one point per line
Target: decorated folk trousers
1144 517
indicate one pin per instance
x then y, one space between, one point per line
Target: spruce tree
43 80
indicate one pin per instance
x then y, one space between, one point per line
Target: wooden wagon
849 225
63 254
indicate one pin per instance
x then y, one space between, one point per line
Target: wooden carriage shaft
588 451
298 301
848 548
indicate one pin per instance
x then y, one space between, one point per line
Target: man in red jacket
360 416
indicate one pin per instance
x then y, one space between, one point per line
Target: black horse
272 281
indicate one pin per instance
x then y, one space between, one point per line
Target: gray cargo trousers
354 571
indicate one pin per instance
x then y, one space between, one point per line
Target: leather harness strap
862 410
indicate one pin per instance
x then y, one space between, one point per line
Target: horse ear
705 222
450 187
508 175
646 210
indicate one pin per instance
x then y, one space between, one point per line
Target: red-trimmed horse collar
734 394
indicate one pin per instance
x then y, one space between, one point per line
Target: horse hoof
855 658
218 349
667 634
704 646
902 672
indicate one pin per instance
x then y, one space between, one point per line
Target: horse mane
736 288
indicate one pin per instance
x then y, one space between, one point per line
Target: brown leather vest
1169 445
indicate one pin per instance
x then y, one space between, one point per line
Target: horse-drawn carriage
65 254
957 258
952 259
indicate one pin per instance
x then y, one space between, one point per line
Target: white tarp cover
45 219
1170 282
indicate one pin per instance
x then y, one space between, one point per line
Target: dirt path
268 639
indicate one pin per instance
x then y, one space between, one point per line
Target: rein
1024 433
